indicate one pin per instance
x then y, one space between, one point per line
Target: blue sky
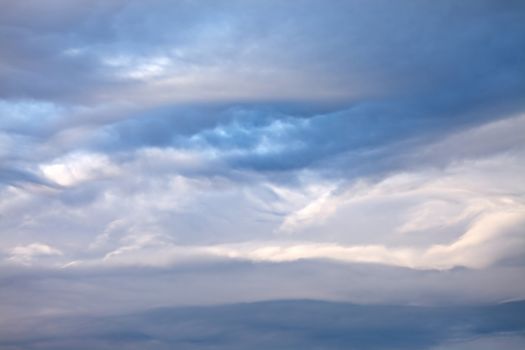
367 152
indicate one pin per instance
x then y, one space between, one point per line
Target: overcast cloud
354 151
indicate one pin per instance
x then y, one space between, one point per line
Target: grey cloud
269 140
18 177
34 38
28 292
454 66
289 324
451 51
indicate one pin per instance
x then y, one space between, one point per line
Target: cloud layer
286 324
363 151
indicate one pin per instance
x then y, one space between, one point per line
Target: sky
196 164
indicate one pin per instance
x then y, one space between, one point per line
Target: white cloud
140 68
25 254
464 214
79 167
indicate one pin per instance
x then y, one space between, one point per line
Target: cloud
25 254
228 50
428 217
288 324
38 291
76 168
363 151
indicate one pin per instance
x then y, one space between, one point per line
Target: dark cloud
461 53
107 290
433 67
18 177
265 138
279 324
